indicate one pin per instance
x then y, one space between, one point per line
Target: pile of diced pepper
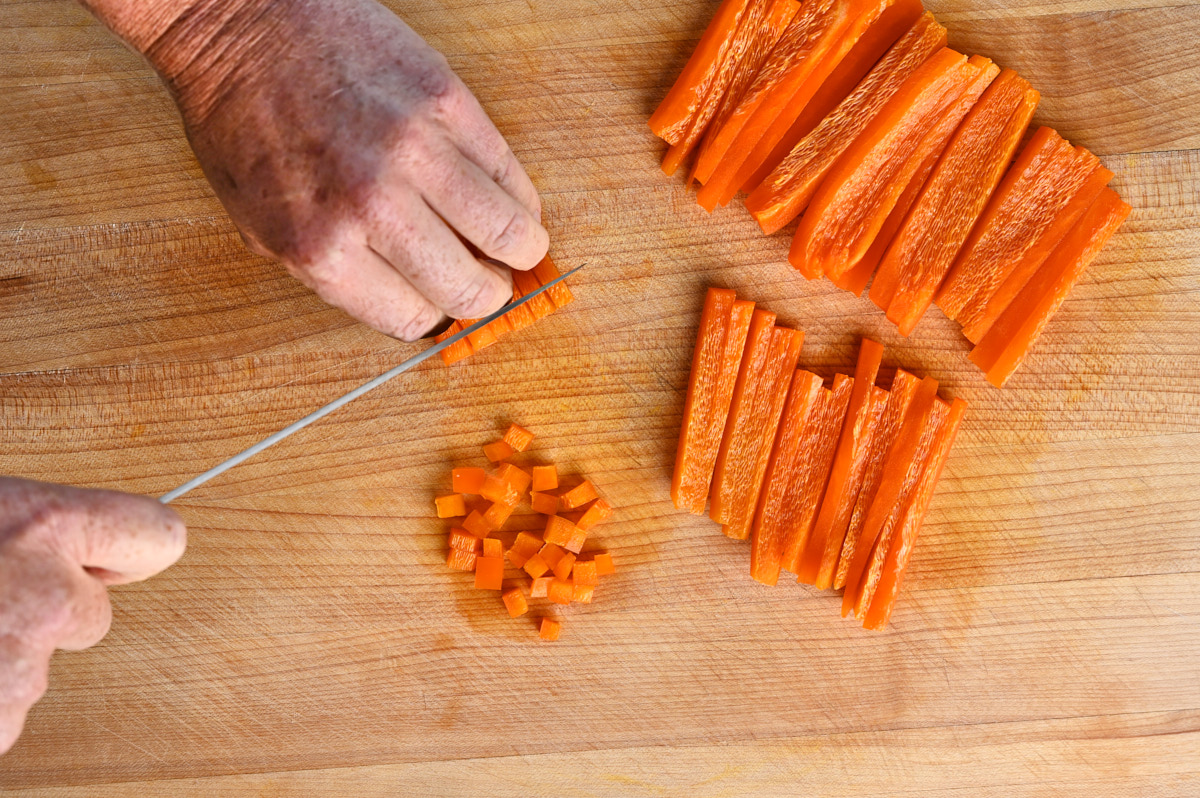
551 561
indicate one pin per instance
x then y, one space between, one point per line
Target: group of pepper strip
524 282
831 484
896 152
551 560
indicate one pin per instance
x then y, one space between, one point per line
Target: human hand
342 145
60 548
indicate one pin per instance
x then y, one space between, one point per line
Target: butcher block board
311 641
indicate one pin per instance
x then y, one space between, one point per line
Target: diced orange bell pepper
451 506
604 564
496 515
562 568
535 566
489 573
515 601
544 503
463 540
578 496
585 573
517 477
524 547
467 480
498 451
477 525
551 554
550 629
561 591
518 437
545 477
558 530
598 511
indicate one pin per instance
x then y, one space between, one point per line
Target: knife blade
371 385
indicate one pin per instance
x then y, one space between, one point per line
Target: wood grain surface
311 640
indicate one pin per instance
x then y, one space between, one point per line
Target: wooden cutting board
311 640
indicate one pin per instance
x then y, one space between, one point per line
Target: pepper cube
578 496
518 437
514 601
550 629
451 506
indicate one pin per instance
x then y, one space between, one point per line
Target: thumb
119 537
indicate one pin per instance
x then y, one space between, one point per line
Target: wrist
201 48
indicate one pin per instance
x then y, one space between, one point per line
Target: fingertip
130 537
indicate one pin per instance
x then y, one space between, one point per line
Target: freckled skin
60 548
344 147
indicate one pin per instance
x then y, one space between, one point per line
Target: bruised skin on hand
60 548
345 147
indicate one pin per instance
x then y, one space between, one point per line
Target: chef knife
296 426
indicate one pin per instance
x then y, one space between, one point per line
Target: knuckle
324 273
420 323
472 299
437 85
509 238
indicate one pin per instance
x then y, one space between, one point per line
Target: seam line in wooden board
1169 719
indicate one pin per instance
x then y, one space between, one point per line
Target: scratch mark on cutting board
124 739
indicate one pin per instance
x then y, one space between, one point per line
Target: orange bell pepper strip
921 254
884 600
759 29
759 396
1037 187
904 388
862 189
1009 340
934 424
821 435
784 470
692 88
818 49
825 543
892 485
1036 255
720 343
804 156
854 200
